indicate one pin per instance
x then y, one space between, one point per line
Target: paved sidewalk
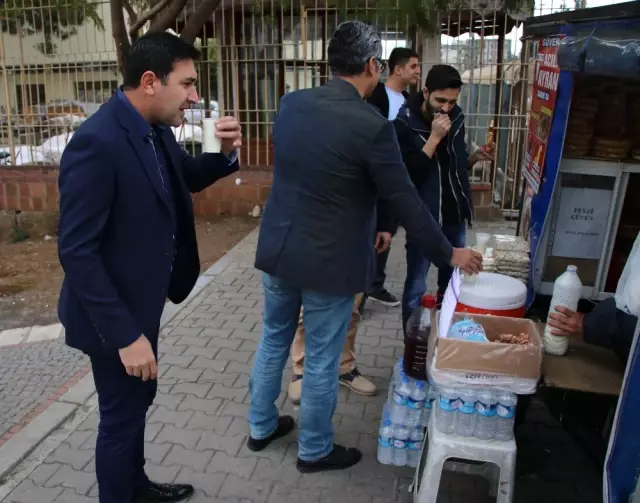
197 427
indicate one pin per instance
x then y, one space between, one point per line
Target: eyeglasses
381 64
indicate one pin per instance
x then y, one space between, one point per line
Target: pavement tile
197 429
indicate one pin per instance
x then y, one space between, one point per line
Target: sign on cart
581 224
543 101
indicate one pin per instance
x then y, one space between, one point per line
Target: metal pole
5 84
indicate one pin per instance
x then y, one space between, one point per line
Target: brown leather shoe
358 384
295 389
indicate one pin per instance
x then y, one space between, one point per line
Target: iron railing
253 52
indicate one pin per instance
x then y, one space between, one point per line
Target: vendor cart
582 168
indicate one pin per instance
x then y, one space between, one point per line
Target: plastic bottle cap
428 302
572 268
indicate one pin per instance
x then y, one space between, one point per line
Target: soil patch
30 273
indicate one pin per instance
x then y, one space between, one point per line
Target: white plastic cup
482 239
210 142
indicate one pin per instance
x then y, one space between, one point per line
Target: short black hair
442 77
156 52
352 46
400 56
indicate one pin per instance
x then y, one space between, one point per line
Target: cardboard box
512 360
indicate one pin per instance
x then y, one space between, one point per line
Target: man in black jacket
389 98
334 156
431 134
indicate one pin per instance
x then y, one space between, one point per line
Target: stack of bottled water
404 419
480 413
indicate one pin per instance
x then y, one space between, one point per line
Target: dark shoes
339 459
286 424
163 493
384 297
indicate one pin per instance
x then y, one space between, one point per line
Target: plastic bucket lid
493 291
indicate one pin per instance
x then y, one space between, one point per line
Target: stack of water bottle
482 413
405 416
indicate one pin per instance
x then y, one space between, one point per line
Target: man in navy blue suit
127 241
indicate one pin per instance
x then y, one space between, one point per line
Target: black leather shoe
164 493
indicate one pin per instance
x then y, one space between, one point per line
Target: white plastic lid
572 268
493 292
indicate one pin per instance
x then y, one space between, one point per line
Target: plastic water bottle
414 446
485 427
566 293
506 415
398 372
466 415
415 404
446 411
427 410
399 409
400 440
385 441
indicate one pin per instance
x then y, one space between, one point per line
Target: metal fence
59 64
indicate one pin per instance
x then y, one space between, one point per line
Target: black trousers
381 266
123 402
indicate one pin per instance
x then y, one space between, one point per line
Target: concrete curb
23 443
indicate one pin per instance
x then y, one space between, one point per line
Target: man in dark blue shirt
127 242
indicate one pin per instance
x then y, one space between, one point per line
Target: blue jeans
326 318
415 284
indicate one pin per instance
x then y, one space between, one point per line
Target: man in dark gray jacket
334 156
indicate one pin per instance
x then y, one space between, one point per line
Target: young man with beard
430 130
389 97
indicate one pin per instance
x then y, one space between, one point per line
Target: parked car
197 111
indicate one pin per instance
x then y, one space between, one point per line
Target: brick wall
35 188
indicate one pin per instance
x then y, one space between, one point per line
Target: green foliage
422 13
18 232
54 19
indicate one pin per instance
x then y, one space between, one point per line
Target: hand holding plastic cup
210 142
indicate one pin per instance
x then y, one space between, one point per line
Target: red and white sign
543 101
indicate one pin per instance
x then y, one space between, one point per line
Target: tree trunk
195 22
119 32
168 17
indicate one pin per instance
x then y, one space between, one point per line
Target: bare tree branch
168 18
119 31
133 17
193 26
146 16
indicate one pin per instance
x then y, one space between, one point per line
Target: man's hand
230 134
566 323
470 261
383 241
440 126
138 359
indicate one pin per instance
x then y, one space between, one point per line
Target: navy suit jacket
334 155
125 243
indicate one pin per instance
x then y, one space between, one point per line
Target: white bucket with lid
494 294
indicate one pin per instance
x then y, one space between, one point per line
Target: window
29 95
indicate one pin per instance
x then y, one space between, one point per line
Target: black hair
155 52
400 56
442 77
